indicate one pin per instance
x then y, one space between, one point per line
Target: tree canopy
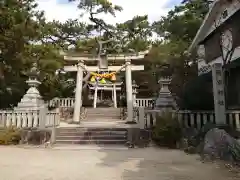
27 37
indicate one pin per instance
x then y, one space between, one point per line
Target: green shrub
167 131
10 136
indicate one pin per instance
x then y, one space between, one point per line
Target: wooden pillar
129 90
219 94
78 93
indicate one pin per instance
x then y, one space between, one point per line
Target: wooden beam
110 68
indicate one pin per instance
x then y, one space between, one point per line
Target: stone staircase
102 114
97 135
100 126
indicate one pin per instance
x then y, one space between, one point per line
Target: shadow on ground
162 164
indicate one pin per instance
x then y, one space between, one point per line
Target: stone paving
102 164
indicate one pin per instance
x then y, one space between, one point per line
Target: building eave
206 25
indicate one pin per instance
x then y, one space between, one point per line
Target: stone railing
62 102
69 102
147 118
144 102
30 119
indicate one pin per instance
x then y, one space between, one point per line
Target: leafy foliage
95 7
26 37
182 22
134 34
178 29
167 131
19 26
10 136
67 34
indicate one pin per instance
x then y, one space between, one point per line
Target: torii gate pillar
78 93
129 90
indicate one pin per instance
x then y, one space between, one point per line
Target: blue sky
169 3
62 1
62 10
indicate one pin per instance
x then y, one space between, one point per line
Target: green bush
9 136
167 131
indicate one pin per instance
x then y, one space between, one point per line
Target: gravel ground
102 164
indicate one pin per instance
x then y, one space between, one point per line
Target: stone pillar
95 96
114 95
134 92
141 119
78 93
218 93
129 90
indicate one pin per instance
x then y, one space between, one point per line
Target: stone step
101 119
110 142
102 122
90 147
87 129
104 113
102 116
103 109
92 137
91 133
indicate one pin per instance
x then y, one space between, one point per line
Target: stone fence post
55 123
42 116
141 118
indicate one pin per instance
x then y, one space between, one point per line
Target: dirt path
134 164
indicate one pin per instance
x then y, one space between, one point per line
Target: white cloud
55 11
153 8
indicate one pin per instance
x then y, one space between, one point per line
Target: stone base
32 100
138 137
35 136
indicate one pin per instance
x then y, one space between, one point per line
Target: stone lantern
165 100
32 100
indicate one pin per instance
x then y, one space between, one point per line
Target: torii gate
80 68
